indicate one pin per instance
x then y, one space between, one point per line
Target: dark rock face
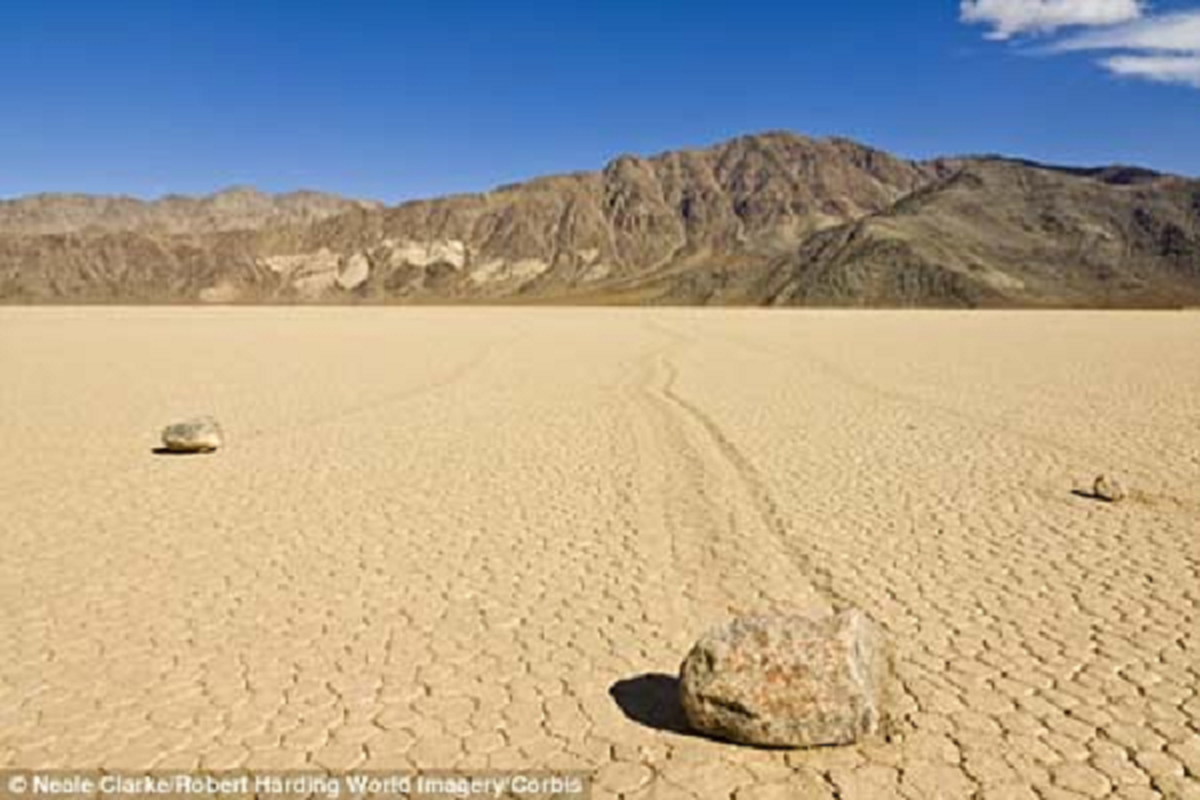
998 233
789 681
769 219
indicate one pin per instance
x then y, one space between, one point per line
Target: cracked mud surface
485 538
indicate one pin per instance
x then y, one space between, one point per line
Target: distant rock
1108 489
196 435
789 681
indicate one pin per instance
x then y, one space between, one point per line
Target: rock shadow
166 451
1087 494
652 700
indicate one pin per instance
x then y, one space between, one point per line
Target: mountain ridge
232 208
762 219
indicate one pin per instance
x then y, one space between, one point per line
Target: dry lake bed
485 538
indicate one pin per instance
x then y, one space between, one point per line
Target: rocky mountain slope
232 209
769 219
1005 233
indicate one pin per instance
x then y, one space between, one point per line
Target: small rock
789 681
1108 489
196 435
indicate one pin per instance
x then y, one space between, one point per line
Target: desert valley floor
485 538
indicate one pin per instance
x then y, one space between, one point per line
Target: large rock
789 681
196 435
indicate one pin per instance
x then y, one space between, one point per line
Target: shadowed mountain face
769 219
999 233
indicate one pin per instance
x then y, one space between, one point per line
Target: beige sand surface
482 537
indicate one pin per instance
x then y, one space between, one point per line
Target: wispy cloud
1008 18
1164 48
1183 70
1179 33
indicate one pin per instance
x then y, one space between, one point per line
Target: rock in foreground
789 681
196 435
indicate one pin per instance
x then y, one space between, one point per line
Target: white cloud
1011 17
1162 69
1164 48
1178 33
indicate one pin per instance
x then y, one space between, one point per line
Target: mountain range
767 219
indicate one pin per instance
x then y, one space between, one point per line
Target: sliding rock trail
698 494
485 538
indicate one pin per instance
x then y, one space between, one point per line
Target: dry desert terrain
485 538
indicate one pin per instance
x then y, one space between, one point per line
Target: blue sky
397 100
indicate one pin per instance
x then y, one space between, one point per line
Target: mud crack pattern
485 538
